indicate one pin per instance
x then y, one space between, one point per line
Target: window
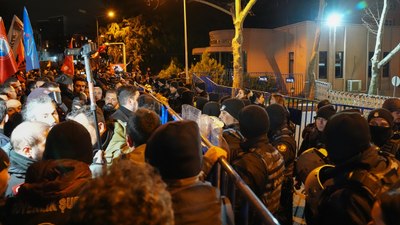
339 65
322 65
291 62
385 68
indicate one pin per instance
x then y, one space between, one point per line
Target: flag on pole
31 55
8 67
68 65
15 34
20 56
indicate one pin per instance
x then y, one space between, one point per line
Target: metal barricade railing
259 207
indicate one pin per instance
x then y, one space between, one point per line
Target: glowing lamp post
333 20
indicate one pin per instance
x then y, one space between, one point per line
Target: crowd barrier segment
260 208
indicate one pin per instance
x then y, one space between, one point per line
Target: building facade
287 50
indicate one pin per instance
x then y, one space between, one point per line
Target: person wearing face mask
393 105
381 128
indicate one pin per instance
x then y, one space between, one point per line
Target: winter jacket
50 191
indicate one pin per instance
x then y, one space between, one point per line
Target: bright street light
110 14
334 19
123 51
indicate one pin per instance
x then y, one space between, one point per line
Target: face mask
380 135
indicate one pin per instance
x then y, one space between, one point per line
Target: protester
229 115
52 185
139 129
179 161
138 196
28 141
127 99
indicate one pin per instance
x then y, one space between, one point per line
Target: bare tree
313 60
238 14
374 19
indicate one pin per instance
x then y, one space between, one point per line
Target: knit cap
175 150
232 106
326 112
69 140
253 121
381 113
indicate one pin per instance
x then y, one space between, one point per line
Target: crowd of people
62 162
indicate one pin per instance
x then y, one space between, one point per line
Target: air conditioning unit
354 85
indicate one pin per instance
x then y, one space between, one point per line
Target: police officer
281 137
381 127
360 174
393 105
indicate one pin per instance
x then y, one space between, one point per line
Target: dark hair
85 110
146 101
323 103
125 92
79 79
130 191
141 125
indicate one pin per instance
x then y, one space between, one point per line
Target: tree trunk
373 85
313 60
237 58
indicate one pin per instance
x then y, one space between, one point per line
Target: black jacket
50 190
356 184
18 166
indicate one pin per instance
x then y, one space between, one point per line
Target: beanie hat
253 121
347 134
232 106
200 102
69 140
326 112
4 160
323 103
277 115
392 104
211 109
381 113
175 150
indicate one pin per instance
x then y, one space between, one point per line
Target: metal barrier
263 212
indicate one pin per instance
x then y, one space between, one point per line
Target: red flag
68 65
20 57
8 66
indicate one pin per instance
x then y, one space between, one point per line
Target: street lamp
186 43
110 14
123 51
333 20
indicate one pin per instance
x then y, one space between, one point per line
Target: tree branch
247 9
389 56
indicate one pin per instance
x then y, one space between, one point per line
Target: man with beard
110 103
393 105
381 127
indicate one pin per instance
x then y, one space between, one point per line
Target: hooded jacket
50 190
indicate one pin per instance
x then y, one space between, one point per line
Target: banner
8 67
15 34
68 65
31 55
